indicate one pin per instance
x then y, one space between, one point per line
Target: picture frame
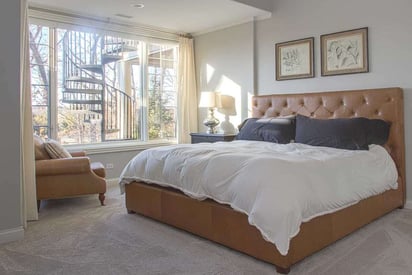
344 52
294 59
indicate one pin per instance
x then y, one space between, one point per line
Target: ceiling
181 16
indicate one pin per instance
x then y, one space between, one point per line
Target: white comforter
278 186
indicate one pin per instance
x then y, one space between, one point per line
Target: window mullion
144 121
53 97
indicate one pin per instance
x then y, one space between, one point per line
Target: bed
222 224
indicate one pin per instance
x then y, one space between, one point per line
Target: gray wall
260 4
390 49
224 62
118 159
10 202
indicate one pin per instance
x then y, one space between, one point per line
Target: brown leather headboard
386 104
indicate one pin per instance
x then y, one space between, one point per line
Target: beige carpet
77 236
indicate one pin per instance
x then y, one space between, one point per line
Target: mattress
278 186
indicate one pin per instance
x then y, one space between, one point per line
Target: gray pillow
341 133
277 130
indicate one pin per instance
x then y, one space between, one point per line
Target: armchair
67 177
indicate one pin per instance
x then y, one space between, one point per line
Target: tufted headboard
386 104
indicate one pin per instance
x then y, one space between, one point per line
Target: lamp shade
210 100
228 105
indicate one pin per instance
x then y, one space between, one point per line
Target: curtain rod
139 27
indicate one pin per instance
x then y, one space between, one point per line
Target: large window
91 87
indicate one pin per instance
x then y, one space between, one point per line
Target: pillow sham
40 152
277 130
56 150
341 133
377 131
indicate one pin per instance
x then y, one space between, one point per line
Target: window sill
117 146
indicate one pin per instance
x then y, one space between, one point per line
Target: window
91 87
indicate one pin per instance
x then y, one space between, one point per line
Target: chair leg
38 205
101 198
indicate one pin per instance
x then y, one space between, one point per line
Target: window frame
146 36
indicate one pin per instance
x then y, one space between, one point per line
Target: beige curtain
187 92
29 199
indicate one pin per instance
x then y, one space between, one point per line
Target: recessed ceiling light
138 6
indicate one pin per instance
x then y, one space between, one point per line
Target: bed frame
222 224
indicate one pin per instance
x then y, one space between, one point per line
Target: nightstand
204 137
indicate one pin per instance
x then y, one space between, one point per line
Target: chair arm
62 166
78 154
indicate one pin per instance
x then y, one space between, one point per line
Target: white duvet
278 186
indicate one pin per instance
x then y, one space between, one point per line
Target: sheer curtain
28 178
187 93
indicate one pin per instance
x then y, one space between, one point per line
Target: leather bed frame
226 226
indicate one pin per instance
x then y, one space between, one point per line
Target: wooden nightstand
204 137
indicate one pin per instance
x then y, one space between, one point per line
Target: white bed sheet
278 186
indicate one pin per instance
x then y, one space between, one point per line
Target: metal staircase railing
120 113
85 86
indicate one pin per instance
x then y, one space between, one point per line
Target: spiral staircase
87 92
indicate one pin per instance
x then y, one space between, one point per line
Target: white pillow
55 150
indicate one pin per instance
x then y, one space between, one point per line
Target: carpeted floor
77 236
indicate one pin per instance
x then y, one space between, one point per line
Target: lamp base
227 127
211 125
211 122
211 130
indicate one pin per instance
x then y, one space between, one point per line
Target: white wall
390 49
10 202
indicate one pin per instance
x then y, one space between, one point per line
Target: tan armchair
67 177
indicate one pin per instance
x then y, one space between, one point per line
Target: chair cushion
56 150
40 152
98 169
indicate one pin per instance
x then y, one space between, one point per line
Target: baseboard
10 235
112 182
408 204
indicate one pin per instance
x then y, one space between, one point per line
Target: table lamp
228 108
210 100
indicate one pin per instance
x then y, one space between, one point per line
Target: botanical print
344 53
295 59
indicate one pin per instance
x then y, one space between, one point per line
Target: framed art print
294 59
344 52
